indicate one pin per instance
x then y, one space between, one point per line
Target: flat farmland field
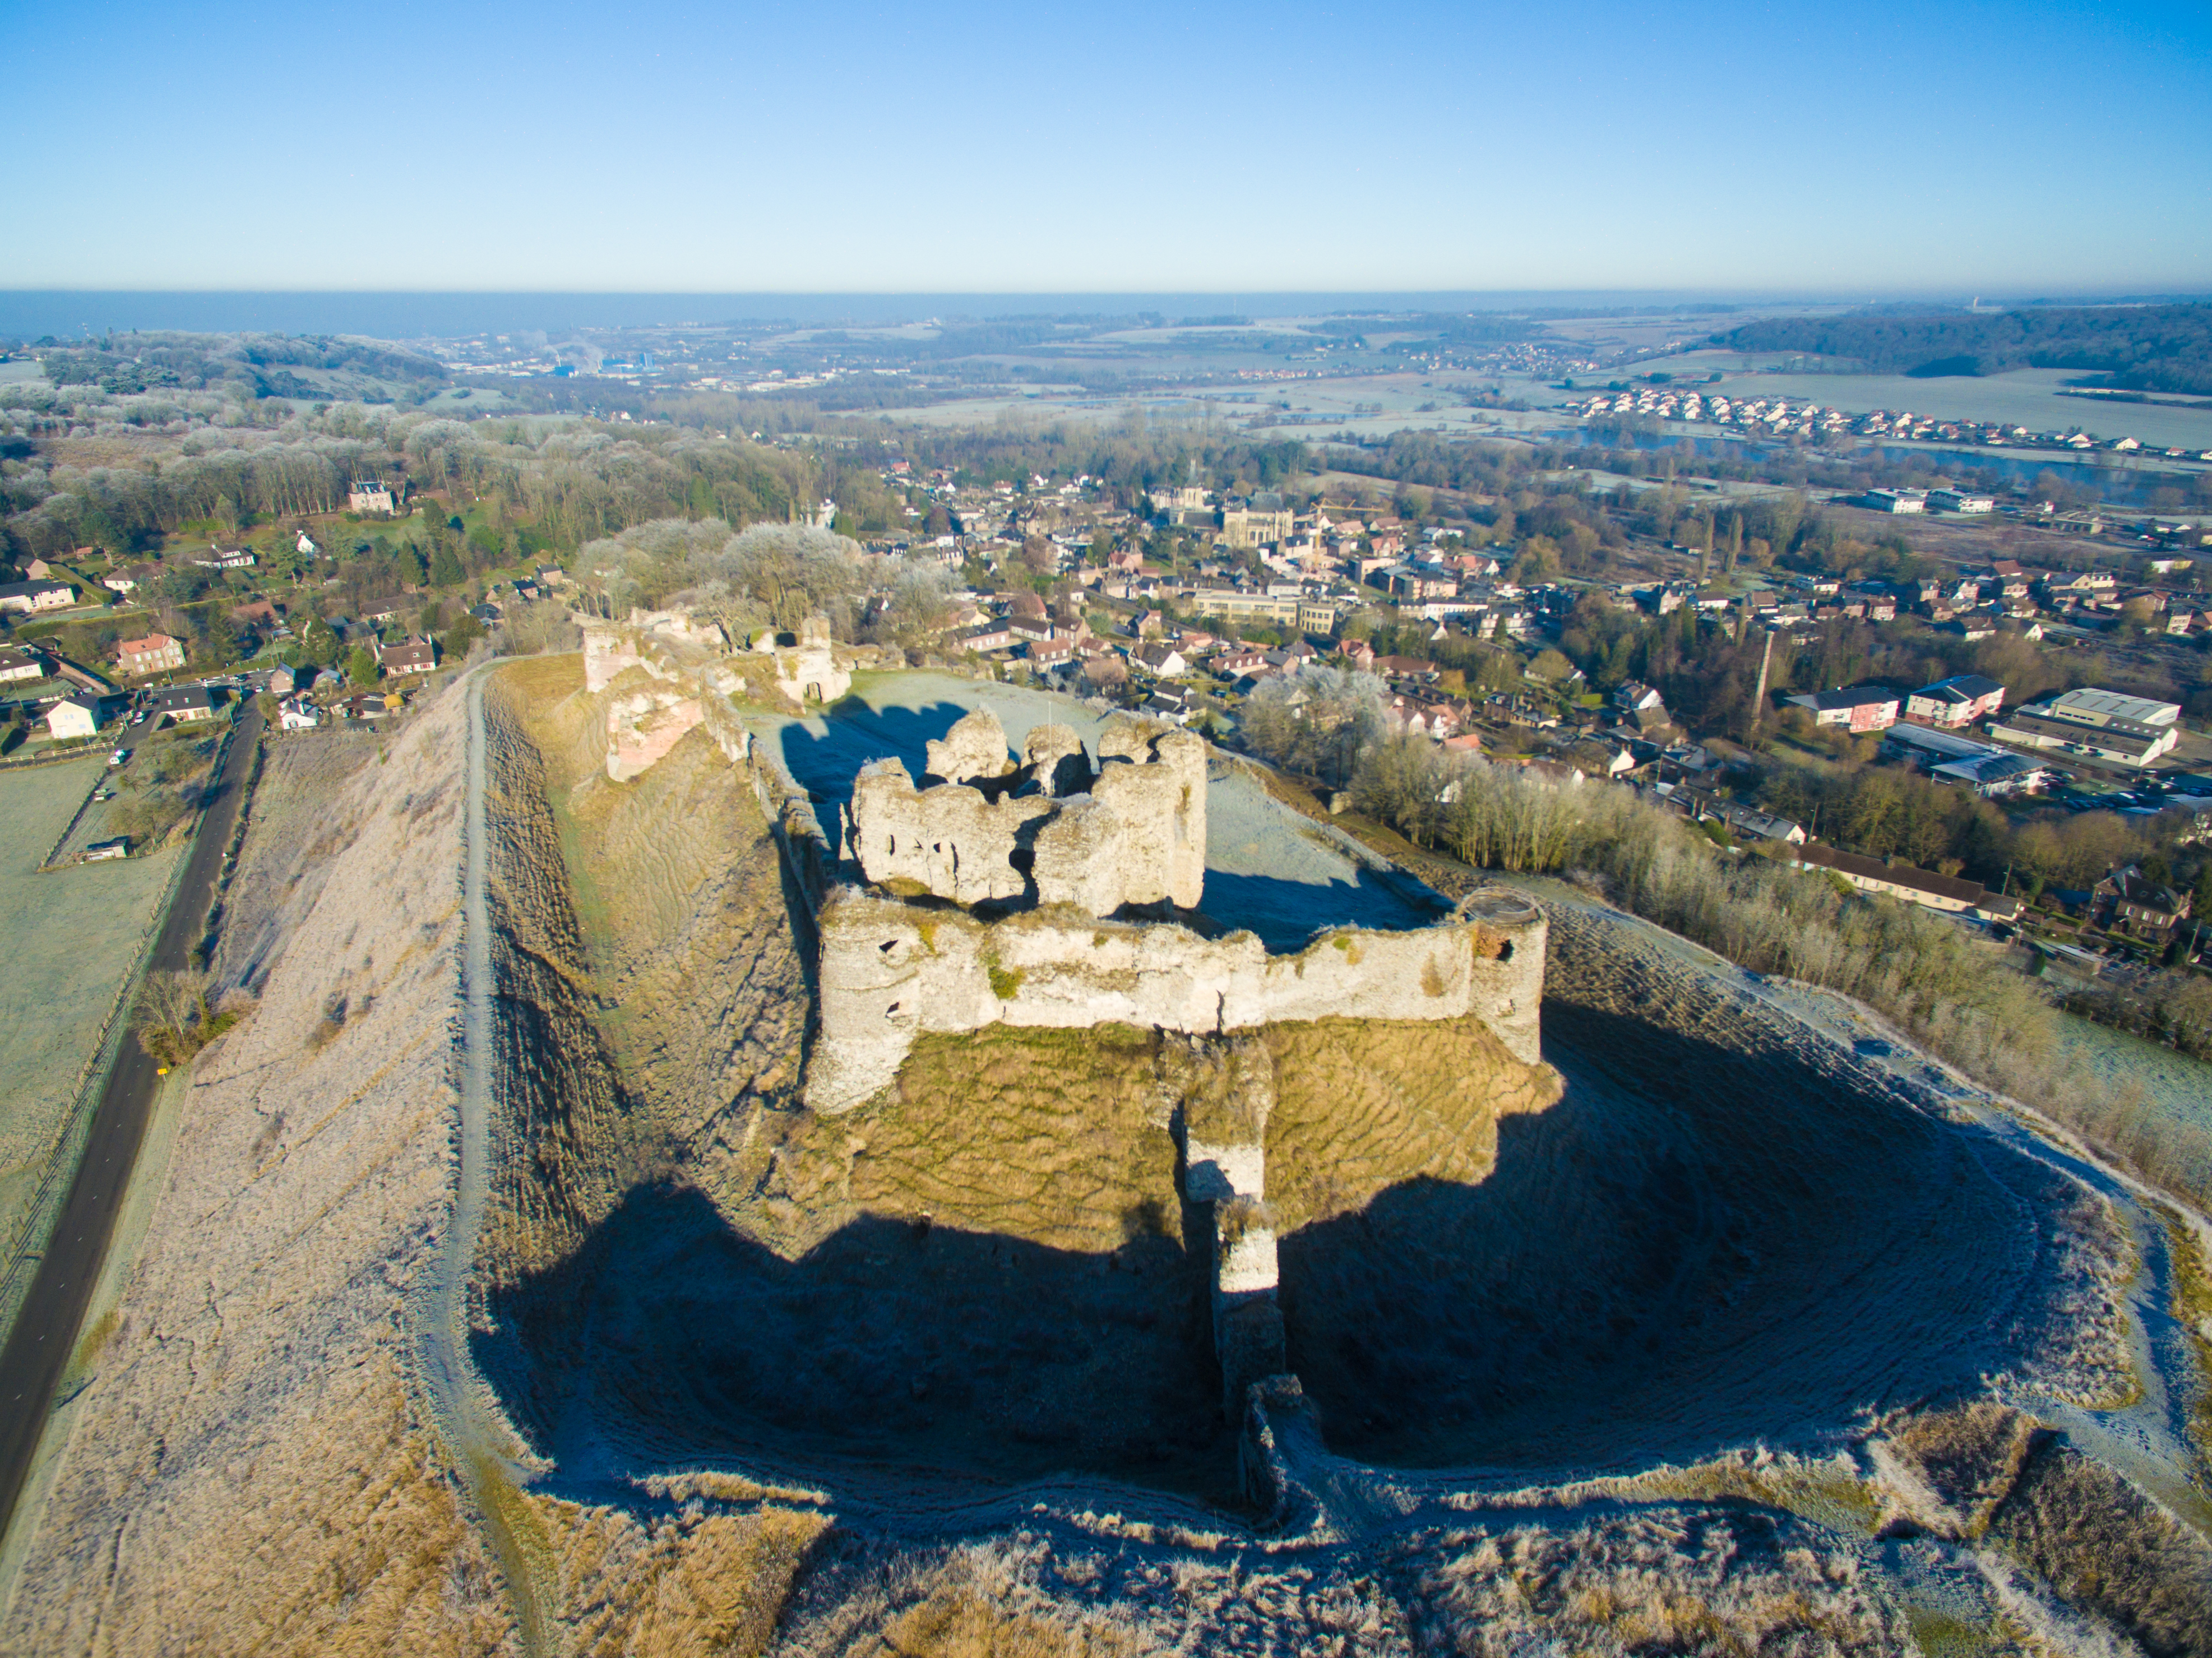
71 937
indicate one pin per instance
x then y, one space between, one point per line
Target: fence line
99 782
29 1234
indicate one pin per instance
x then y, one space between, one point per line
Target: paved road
45 1334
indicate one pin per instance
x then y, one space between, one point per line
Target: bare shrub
327 1028
174 1021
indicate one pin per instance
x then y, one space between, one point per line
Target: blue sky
2021 148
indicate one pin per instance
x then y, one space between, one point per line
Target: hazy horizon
1478 148
401 314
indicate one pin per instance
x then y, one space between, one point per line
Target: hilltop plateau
506 1292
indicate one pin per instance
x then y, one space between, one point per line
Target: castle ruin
1133 832
1063 891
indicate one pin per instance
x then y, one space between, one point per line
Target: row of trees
1921 969
573 484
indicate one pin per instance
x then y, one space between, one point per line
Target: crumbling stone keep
808 671
950 841
975 748
1050 830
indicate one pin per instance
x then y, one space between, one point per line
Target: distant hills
2148 348
269 365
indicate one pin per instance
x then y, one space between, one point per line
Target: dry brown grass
2102 1543
1361 1105
959 1622
1954 1466
366 1552
2191 1305
1056 1137
1657 1581
1062 1138
696 1585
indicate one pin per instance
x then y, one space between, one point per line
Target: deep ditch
1730 1233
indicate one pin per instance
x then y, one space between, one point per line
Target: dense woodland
2148 348
258 365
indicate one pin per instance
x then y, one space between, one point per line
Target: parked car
118 757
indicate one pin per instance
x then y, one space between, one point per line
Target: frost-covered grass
71 937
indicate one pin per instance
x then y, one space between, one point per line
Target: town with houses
1052 583
1781 417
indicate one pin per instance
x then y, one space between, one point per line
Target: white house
1959 701
82 715
15 662
33 596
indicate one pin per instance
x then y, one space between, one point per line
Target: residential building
156 653
1959 701
132 578
1168 705
1858 707
1165 661
1750 823
1894 501
296 713
410 656
83 715
2127 901
367 705
992 636
1949 893
1404 667
2078 584
366 496
17 663
183 703
30 596
220 558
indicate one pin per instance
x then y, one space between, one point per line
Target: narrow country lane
39 1346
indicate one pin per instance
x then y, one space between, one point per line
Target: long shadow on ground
1697 1246
891 1342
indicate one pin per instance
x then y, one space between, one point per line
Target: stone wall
808 671
807 851
890 969
650 639
643 725
1051 831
